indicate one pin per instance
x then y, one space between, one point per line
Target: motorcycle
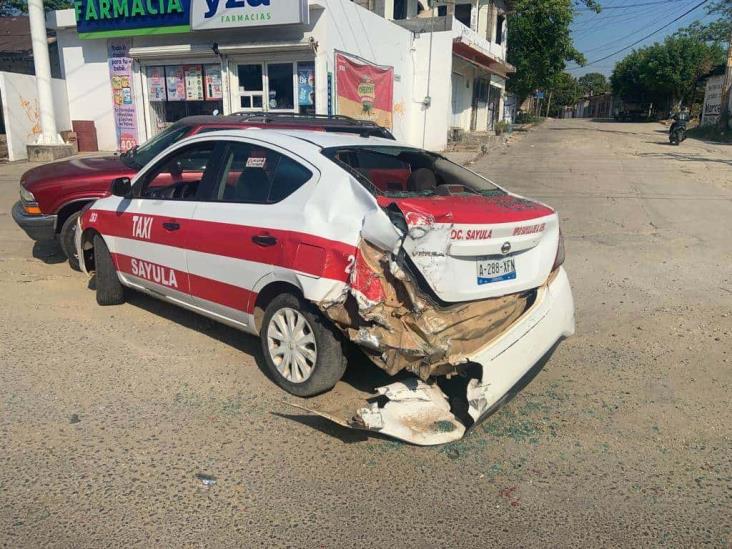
677 132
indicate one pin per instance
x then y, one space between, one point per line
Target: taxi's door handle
171 226
264 240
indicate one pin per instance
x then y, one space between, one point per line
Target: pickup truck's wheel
303 354
109 289
66 240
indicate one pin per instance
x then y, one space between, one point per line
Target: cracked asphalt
146 425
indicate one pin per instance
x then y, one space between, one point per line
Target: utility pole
49 135
724 111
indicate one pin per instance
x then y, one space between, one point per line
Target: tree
593 83
665 74
9 8
716 31
540 43
565 92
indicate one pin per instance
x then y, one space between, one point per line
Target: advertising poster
174 83
194 82
364 91
156 83
306 85
120 73
213 82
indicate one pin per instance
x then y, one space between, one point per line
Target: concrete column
49 135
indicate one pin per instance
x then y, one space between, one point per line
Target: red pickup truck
52 195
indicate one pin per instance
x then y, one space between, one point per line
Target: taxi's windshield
140 155
404 172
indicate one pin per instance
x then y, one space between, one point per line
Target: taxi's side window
257 175
178 176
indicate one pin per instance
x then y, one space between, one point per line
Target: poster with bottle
306 84
156 83
194 82
120 73
175 83
214 91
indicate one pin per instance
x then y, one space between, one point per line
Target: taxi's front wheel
302 352
109 289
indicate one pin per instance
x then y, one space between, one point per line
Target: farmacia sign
114 18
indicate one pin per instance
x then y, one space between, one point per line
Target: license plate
495 270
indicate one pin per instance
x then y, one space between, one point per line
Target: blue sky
621 23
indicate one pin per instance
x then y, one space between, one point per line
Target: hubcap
291 345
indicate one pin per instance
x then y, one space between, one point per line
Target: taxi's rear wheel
302 352
109 289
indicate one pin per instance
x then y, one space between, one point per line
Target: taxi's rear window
404 172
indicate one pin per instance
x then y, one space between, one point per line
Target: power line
687 12
627 6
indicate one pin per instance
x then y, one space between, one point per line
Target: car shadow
361 374
48 251
685 156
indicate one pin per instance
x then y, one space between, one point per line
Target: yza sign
221 14
106 18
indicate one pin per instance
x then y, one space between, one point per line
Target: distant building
713 96
16 50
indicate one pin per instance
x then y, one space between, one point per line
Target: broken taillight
559 259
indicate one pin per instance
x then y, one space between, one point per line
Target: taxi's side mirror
122 186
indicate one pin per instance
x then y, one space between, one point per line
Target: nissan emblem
506 248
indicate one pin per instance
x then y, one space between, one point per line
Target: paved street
115 421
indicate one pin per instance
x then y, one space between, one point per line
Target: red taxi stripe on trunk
231 240
209 289
466 209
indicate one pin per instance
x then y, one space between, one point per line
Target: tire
322 361
674 138
109 289
66 240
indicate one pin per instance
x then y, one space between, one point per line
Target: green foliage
540 43
9 8
502 127
717 31
711 133
665 74
593 83
527 118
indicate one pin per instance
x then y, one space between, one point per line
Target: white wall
85 67
21 114
352 29
431 124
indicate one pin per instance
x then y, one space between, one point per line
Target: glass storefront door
274 87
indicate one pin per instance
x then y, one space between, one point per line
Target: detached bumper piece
37 227
433 412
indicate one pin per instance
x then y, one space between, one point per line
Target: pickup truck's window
138 156
257 175
178 176
402 171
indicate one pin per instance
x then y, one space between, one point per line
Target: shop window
462 13
500 23
251 86
306 87
177 91
400 9
281 88
441 11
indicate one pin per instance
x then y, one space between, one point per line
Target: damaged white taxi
313 240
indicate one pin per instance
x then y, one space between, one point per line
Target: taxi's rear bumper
506 360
